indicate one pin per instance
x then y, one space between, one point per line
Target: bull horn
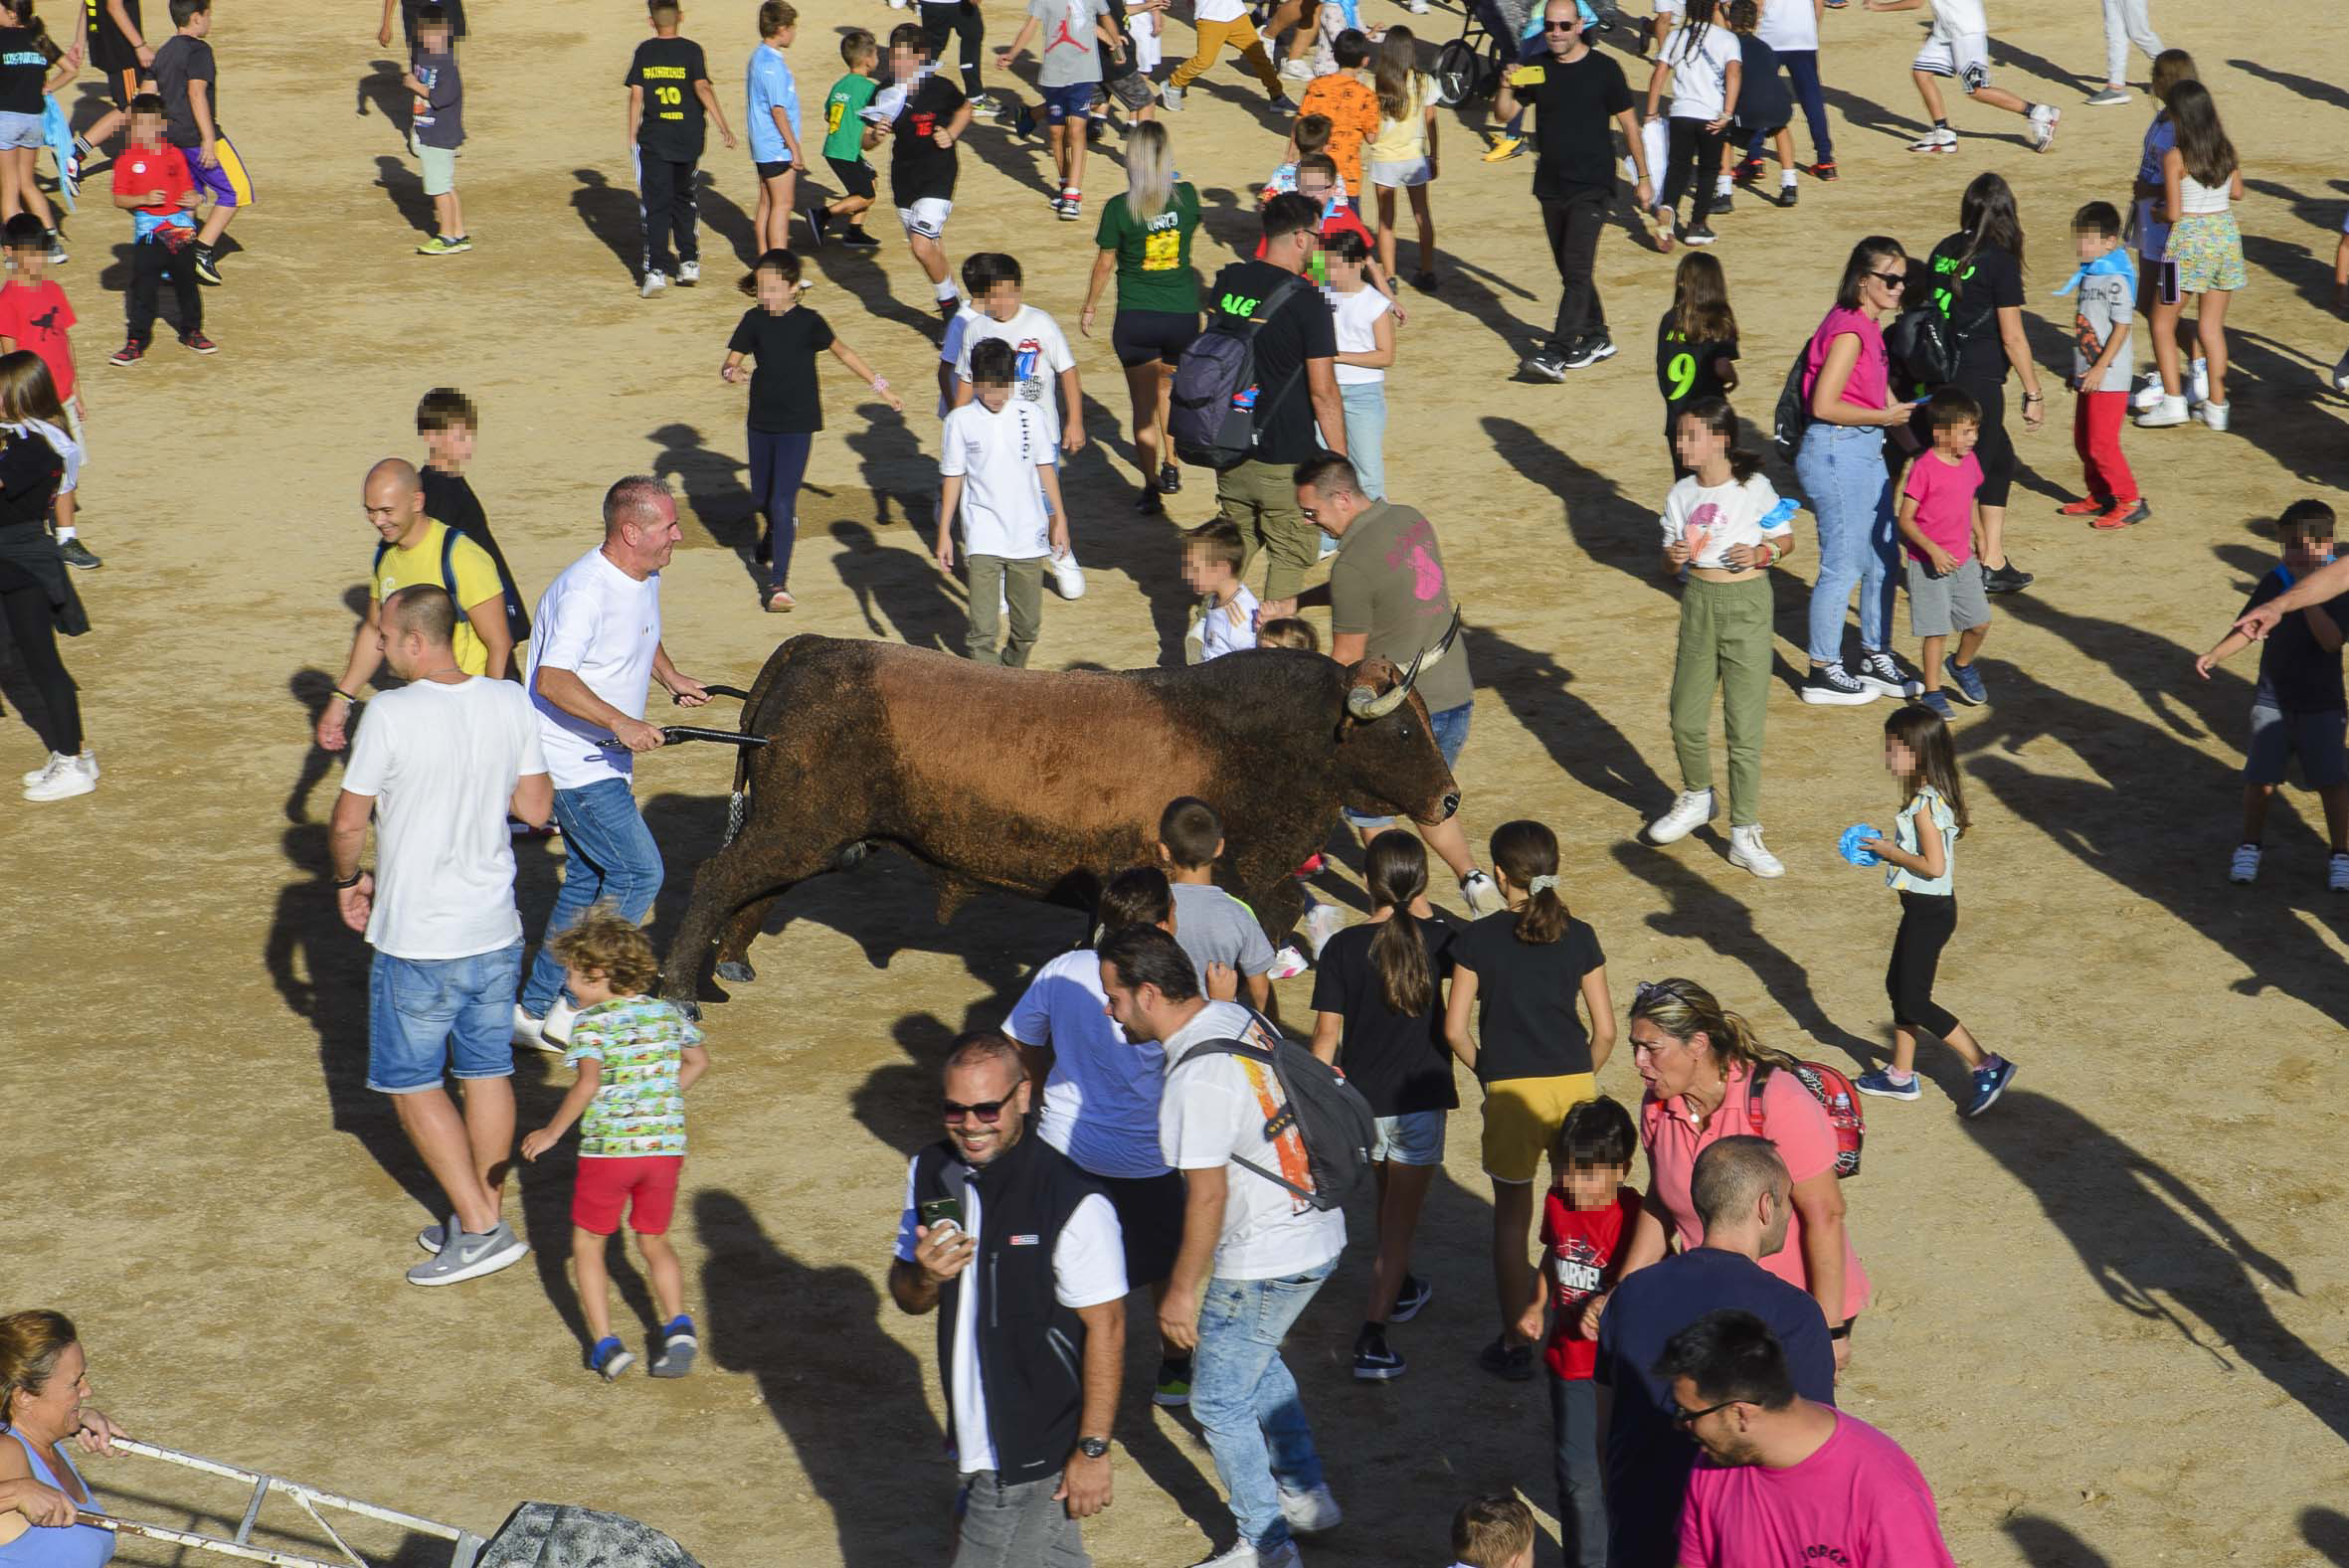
1368 706
1428 659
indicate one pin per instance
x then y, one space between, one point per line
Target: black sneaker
77 553
1589 350
205 270
1149 505
815 217
1787 195
1170 478
1722 200
1512 1363
1882 673
1410 1298
1374 1360
1700 234
2008 579
1173 1386
1829 684
856 239
1544 366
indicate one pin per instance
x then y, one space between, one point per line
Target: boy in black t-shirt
2299 704
930 120
189 83
669 97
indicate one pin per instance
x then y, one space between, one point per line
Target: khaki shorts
1522 1118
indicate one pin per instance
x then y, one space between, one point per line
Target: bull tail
738 800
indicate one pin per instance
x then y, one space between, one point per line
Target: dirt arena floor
2109 1317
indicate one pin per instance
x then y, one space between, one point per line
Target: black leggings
955 18
24 605
1927 921
1692 159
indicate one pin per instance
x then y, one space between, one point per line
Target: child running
845 142
931 117
2108 288
2298 706
1959 45
637 1056
995 468
1947 593
1696 345
1920 864
786 402
1726 526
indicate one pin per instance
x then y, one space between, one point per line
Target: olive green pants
1260 502
994 580
1724 642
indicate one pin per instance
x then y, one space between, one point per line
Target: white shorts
1967 57
925 217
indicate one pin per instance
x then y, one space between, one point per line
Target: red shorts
645 1184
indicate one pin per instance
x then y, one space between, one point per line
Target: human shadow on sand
899 592
2327 1530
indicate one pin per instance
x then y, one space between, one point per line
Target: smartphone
2168 281
1528 75
938 1213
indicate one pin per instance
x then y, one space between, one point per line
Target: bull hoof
736 971
690 1008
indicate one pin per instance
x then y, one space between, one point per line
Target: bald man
415 547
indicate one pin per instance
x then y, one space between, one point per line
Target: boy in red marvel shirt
34 315
1588 1221
152 183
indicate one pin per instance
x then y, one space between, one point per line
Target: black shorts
1150 1214
122 83
1141 336
855 176
776 170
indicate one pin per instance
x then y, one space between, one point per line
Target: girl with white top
1702 61
1726 526
1364 320
1403 153
1920 864
2201 181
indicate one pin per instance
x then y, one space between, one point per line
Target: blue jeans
428 1016
1802 73
610 858
777 465
1246 1401
1842 468
1366 433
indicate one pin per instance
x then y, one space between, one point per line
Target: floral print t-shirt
637 1108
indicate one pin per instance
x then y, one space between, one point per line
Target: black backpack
1793 415
517 619
1212 410
1923 344
1329 1115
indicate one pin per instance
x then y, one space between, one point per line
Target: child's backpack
1793 414
1832 1090
1329 1115
517 619
1211 413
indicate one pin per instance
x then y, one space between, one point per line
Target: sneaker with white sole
1691 809
1322 922
653 283
1297 70
1375 1361
1883 1084
1068 577
56 760
559 1018
2243 865
2108 97
1482 895
2149 395
1747 850
2341 374
468 1257
63 778
2198 382
1882 673
2336 874
1170 98
688 274
2043 125
2214 415
1310 1512
1410 1298
1831 685
1939 139
1287 963
678 1347
609 1358
2162 416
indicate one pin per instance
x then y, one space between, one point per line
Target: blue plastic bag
1853 845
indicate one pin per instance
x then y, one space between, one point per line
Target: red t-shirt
143 169
1586 1247
37 318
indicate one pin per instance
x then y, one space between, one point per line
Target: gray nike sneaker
468 1257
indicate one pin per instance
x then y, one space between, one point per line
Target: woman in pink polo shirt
1696 1060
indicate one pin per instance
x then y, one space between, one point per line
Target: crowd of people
1140 1119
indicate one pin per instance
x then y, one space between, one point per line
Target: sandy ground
2108 1317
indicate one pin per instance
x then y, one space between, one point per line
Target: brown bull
1049 783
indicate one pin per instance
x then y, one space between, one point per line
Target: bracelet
2033 396
351 881
1840 1331
346 696
880 384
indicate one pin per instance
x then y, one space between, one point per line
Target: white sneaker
2243 865
1243 1555
1309 1513
653 283
1068 577
2336 874
55 761
1746 849
1322 922
2042 126
1939 139
2198 382
2214 415
1690 811
688 273
2168 411
2341 374
529 1031
1170 98
1483 895
2148 395
556 1030
1297 70
1287 963
64 779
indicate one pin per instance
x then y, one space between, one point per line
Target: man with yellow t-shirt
412 553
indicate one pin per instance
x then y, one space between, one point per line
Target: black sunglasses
1891 279
988 1111
1685 1419
1567 26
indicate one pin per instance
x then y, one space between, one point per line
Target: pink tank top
1870 384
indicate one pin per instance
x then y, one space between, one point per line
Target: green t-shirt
1154 257
844 116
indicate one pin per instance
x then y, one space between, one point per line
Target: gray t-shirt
1068 48
1212 926
1387 581
2103 307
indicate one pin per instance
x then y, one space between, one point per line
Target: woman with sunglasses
1698 1062
1847 381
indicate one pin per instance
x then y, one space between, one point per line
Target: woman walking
1144 238
38 465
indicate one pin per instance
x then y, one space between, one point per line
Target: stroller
1492 37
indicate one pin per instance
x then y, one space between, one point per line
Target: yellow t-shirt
1403 140
468 563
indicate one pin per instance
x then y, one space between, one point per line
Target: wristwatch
1093 1448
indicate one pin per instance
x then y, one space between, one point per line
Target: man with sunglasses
1577 94
1743 1194
1785 1479
1019 1253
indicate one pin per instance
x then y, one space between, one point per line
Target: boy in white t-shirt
1044 372
1959 45
996 468
1212 555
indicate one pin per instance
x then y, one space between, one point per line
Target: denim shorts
1070 102
1416 1138
428 1016
1450 728
22 130
2315 738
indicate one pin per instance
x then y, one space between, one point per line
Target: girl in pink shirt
1697 1061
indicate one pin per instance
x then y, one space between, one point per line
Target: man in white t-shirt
439 762
1253 1254
596 644
1019 1253
1959 45
995 468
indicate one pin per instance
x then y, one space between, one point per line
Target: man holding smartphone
1044 1314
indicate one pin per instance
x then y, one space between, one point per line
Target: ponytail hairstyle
1684 1009
1526 853
1397 74
1987 213
1394 869
1701 311
30 1344
1927 735
1716 415
2201 142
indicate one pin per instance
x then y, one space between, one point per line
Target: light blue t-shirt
1901 880
770 87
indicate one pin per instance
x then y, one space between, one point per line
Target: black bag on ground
1211 412
1329 1115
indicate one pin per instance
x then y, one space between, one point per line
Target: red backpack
1834 1092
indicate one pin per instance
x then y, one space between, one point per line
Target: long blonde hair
1684 1009
1150 170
